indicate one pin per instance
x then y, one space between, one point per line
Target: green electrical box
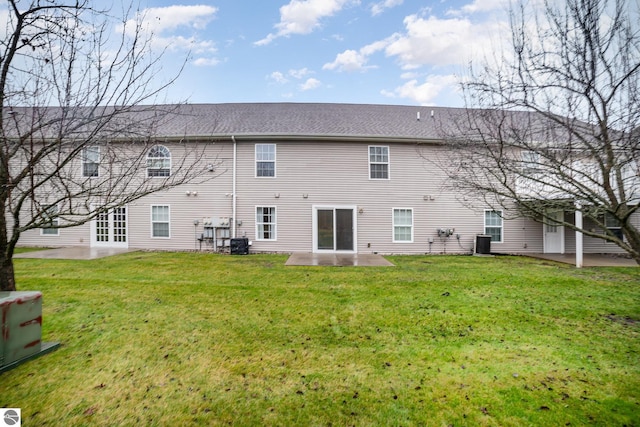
20 326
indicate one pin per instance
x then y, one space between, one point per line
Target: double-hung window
160 221
266 223
90 161
402 225
613 225
530 162
378 162
50 226
266 160
493 225
158 162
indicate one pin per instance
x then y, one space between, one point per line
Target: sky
410 52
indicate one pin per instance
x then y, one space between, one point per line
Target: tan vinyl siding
73 236
208 200
337 174
323 173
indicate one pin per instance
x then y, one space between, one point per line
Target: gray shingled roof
306 120
313 121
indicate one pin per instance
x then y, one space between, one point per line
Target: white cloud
206 62
302 17
356 60
424 93
409 75
440 42
174 27
281 78
426 41
349 60
278 77
301 73
378 8
4 24
163 19
485 6
310 84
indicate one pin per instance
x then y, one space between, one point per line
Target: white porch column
579 244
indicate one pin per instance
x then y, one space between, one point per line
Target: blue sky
358 51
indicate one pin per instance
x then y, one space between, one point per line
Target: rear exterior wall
316 174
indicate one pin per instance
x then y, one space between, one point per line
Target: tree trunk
633 238
7 279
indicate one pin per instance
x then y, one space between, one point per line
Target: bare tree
555 120
74 129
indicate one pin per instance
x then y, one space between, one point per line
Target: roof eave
302 137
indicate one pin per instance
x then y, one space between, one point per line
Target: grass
204 339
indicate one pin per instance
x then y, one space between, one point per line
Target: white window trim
55 221
151 222
484 224
85 162
388 162
314 217
275 157
393 223
611 227
170 162
530 162
260 237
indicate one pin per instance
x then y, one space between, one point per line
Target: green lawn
204 339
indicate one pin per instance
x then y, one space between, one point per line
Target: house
311 178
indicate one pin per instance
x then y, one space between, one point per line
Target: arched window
158 161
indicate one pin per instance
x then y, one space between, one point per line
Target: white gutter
233 190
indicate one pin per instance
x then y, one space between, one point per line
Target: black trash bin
240 246
483 244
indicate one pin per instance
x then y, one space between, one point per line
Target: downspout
579 237
233 189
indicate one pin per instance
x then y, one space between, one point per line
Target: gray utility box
21 325
483 244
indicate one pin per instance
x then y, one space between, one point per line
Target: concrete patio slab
73 252
338 260
589 260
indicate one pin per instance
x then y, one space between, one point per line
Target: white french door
553 232
109 229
